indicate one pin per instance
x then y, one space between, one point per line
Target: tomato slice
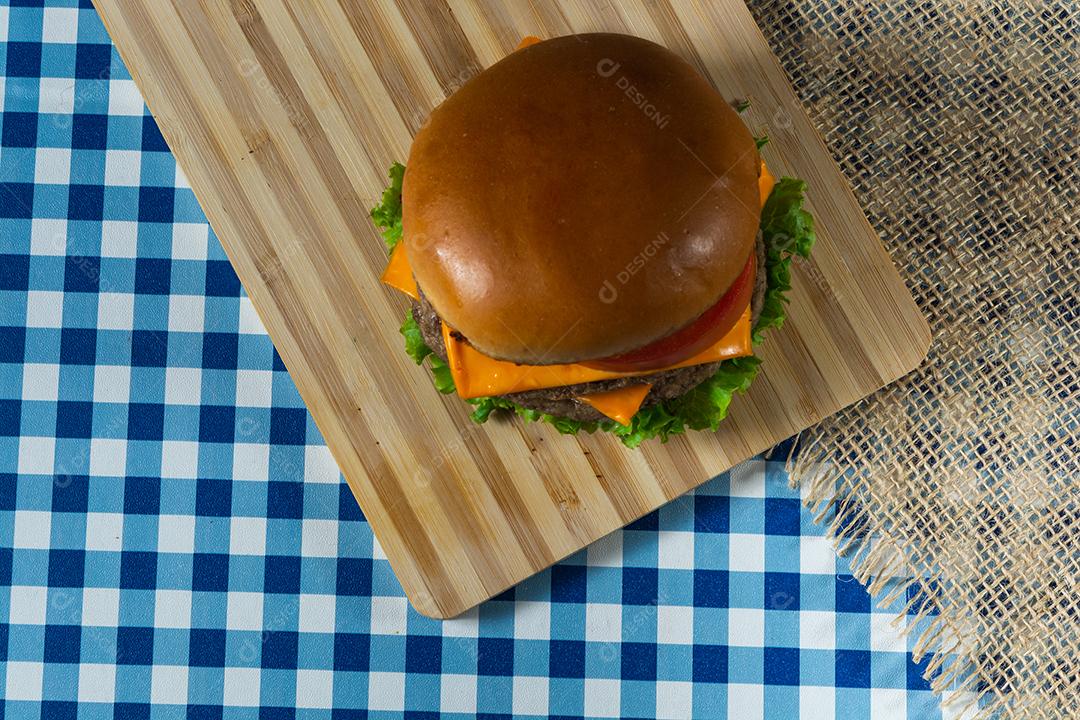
707 330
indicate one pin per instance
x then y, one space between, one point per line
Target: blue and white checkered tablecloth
175 540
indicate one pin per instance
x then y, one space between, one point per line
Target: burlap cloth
957 124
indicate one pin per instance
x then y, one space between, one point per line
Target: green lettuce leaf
787 230
440 372
414 340
706 405
484 406
654 421
387 214
418 350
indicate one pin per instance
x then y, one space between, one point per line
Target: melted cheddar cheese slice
398 274
766 181
619 405
477 375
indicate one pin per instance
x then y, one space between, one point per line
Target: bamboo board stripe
285 115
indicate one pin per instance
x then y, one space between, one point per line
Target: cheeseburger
590 238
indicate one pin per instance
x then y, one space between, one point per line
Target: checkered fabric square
175 539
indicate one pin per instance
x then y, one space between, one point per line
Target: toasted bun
583 197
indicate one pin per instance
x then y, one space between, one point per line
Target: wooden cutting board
286 114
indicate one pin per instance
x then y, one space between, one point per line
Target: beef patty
562 401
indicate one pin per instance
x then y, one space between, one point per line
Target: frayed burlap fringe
957 123
880 563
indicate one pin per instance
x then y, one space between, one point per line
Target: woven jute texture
957 123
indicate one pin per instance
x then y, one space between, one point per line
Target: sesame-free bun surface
583 197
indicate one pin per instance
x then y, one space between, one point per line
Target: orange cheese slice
477 375
398 274
527 41
619 405
766 181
